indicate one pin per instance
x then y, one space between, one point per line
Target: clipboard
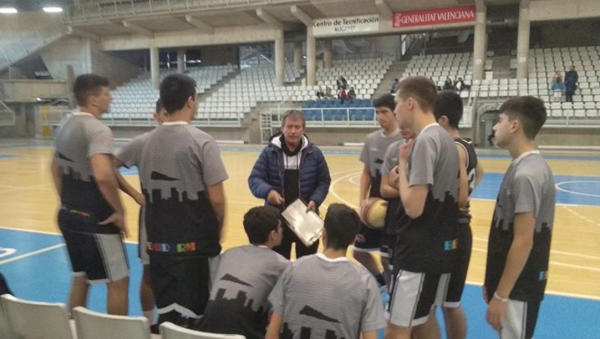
308 226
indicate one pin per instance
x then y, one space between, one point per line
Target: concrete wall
568 137
69 50
29 90
24 122
543 10
116 69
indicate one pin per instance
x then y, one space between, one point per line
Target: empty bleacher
438 67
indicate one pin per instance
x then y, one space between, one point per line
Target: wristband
500 299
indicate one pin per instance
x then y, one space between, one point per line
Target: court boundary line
32 253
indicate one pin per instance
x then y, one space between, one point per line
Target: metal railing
342 117
127 8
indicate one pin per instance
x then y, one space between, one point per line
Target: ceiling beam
384 9
301 15
81 33
137 28
268 18
201 25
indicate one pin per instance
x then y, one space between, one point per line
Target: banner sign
437 16
346 25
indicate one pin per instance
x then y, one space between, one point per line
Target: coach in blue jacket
291 167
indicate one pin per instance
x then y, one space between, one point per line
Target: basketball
373 213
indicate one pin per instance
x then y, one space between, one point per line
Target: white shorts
143 239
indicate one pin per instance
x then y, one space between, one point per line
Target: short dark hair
421 89
294 114
175 90
259 222
86 85
386 100
159 106
342 224
530 111
450 104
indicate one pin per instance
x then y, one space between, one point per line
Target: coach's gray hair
294 114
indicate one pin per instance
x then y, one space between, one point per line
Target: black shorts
369 240
180 284
520 319
143 239
455 285
413 296
100 257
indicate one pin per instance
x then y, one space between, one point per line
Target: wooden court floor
29 202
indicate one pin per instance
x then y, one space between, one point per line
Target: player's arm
463 182
524 227
413 197
274 326
365 184
103 171
387 188
125 186
216 196
56 175
478 174
369 335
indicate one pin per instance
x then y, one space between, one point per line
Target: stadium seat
33 320
94 325
171 331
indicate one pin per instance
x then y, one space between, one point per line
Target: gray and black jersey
319 297
177 162
471 167
372 156
238 299
528 186
395 209
428 243
80 137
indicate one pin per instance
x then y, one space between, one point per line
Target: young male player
91 216
448 112
182 176
244 278
426 243
368 239
325 295
521 230
146 296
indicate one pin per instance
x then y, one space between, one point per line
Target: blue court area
37 268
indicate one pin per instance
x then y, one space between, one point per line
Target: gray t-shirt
79 138
428 243
528 186
372 156
390 158
177 162
238 299
320 297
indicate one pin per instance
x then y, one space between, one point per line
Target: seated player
325 295
244 278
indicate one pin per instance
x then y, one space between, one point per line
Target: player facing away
245 276
325 295
519 241
146 295
181 174
91 216
448 113
425 249
368 239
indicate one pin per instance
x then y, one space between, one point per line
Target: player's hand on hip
495 313
274 198
117 219
312 206
140 199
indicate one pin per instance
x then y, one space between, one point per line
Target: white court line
30 254
48 232
332 188
557 185
562 294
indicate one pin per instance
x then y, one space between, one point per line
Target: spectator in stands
351 94
252 271
320 94
289 168
4 286
394 87
459 85
341 83
342 95
328 94
571 79
448 84
558 88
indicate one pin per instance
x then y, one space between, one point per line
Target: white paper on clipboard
308 226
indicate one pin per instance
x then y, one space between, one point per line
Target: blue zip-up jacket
267 173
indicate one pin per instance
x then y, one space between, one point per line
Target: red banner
436 16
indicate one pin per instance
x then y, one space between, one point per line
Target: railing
342 117
125 8
7 115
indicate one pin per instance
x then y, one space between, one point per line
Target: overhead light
53 9
8 10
